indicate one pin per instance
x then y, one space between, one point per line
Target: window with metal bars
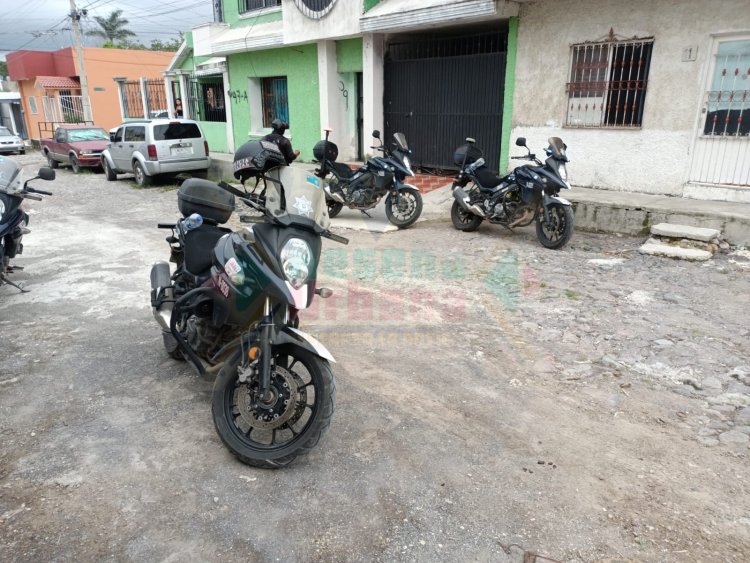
608 80
250 5
132 100
207 99
728 100
275 99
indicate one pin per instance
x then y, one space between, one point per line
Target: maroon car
80 146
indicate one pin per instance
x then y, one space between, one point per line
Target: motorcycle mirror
46 173
521 142
376 134
470 140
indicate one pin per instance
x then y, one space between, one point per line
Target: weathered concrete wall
656 157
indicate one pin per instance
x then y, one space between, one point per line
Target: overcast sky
22 20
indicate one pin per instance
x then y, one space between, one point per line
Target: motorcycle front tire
411 198
334 208
463 220
232 408
557 233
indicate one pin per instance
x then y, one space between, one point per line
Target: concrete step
685 232
678 252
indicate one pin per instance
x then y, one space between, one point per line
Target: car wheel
108 172
22 151
51 161
75 165
141 178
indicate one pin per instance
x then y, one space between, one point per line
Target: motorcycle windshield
296 195
10 175
558 148
400 139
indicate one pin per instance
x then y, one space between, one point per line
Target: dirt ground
494 399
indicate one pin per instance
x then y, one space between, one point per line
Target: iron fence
132 99
206 99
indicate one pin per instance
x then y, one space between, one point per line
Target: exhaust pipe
161 285
335 196
463 200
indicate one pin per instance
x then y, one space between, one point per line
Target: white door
721 154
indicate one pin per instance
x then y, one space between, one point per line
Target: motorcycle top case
320 148
206 198
469 152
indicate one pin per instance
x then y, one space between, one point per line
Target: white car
10 142
156 147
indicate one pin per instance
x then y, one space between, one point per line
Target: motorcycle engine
201 336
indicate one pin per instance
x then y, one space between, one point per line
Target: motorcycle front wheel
272 433
404 212
557 232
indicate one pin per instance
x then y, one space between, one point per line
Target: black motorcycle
527 194
13 219
231 307
380 176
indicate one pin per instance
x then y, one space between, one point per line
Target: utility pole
75 17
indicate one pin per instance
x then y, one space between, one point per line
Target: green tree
3 69
113 28
169 45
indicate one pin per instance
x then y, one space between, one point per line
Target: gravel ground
494 399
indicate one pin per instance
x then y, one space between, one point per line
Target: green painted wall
216 135
300 65
370 4
232 15
349 55
510 85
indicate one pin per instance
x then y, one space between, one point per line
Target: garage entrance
443 87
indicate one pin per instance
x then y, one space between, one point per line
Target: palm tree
112 27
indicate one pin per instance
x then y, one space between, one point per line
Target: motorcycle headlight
407 164
296 260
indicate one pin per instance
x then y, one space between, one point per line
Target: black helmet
256 157
279 125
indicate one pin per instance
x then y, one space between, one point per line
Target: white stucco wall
341 21
655 158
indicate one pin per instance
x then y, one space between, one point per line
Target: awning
212 66
401 14
56 83
214 41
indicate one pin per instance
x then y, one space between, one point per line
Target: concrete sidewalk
595 210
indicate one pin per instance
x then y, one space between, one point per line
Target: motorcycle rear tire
408 220
463 220
558 233
334 208
229 410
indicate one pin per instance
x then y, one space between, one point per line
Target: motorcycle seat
342 170
487 178
199 245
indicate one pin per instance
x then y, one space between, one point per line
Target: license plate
182 150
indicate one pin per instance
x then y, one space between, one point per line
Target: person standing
178 107
276 136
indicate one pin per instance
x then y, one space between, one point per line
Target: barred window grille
206 99
608 81
275 99
156 99
728 101
132 101
250 5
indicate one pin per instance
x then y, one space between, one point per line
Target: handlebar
335 238
35 191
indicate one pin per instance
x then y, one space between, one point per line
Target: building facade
50 88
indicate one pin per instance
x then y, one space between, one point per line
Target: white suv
153 147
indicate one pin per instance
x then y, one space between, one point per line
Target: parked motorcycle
380 176
527 194
13 219
231 306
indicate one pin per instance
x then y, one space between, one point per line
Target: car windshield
4 132
87 135
401 141
176 130
297 194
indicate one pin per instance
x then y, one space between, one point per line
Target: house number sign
315 9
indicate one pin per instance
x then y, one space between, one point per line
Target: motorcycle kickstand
4 280
365 213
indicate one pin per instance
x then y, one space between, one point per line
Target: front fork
266 345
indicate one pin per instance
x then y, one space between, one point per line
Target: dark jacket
284 144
